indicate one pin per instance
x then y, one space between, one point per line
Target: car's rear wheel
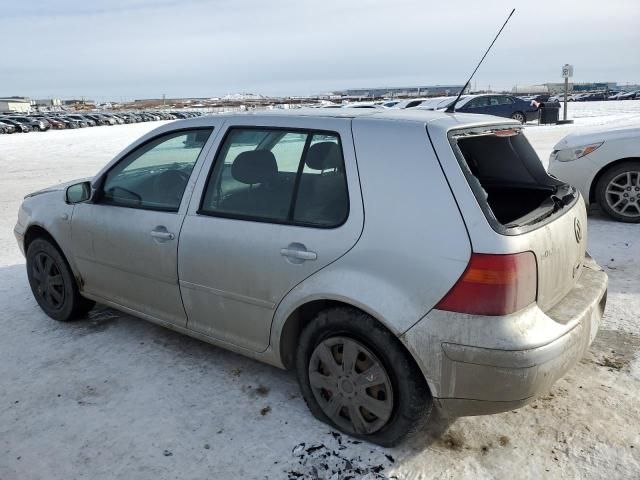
519 116
618 192
53 284
356 376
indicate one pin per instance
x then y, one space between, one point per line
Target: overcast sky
143 48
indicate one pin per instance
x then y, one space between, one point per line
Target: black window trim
250 218
100 184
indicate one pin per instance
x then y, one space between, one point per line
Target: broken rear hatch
518 206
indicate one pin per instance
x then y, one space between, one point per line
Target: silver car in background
394 259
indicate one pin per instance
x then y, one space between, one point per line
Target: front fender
48 211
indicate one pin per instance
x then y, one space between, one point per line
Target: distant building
48 102
530 89
558 87
15 104
592 86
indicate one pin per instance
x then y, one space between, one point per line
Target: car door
125 240
505 106
280 202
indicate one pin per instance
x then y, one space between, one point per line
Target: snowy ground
116 397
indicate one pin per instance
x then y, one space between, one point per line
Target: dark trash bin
548 113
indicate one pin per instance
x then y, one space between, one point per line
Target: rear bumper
479 365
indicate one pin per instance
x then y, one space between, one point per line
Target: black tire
53 284
412 400
520 116
632 166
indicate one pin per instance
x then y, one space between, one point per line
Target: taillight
494 285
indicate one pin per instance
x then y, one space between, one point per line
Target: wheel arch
306 312
37 231
295 322
596 179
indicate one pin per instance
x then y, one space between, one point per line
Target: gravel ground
117 397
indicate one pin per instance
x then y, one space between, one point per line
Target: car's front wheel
356 376
618 192
53 284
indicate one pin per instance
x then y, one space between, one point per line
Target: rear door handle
298 253
162 234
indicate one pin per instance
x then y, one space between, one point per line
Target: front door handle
161 233
298 253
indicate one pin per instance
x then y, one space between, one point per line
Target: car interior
507 173
155 176
260 184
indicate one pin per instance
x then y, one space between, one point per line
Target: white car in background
605 166
559 97
361 105
409 103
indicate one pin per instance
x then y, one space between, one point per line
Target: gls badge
577 227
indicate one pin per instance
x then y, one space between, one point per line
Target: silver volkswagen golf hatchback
396 260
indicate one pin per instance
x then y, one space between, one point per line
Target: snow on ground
117 397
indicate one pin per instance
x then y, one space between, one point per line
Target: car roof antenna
451 108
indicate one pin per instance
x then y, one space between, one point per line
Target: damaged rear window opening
509 181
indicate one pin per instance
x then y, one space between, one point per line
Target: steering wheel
169 186
135 196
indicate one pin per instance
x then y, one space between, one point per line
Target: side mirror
78 193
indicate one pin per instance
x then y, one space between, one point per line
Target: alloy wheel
623 194
351 385
48 280
519 117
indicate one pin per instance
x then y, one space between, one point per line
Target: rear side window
280 176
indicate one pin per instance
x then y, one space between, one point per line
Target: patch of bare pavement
114 397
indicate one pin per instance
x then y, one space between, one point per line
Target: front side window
281 176
155 175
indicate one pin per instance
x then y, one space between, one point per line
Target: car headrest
255 166
323 156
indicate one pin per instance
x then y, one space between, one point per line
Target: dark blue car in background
500 106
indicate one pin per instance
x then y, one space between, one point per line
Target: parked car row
41 122
499 105
597 96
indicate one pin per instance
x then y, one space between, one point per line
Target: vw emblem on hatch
577 227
